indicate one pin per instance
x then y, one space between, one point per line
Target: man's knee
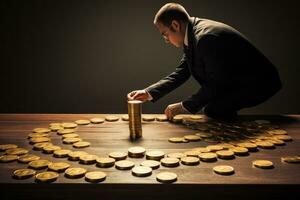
218 112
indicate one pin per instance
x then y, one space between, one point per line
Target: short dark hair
170 12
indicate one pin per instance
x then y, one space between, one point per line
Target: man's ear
175 25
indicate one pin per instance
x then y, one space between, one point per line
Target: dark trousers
225 107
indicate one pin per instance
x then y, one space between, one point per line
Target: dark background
84 56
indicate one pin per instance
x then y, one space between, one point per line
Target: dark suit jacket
222 60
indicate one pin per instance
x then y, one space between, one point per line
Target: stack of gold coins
135 122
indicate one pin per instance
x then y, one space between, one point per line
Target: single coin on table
47 176
95 176
75 172
23 173
155 155
151 163
224 170
141 171
105 162
58 166
124 164
263 164
169 162
166 177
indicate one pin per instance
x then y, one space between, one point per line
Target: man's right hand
141 95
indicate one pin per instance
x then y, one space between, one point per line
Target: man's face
172 34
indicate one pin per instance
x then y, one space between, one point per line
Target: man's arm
213 54
171 82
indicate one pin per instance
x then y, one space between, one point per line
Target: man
233 74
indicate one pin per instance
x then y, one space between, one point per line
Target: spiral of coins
135 121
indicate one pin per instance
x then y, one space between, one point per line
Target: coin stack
135 121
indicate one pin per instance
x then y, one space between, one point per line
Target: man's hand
175 109
141 95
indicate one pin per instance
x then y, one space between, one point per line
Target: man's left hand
175 109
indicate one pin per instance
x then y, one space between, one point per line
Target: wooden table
193 181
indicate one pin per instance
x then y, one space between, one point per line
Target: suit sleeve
213 56
170 82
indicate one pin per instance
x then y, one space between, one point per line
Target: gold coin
61 153
8 158
95 176
81 144
213 148
28 158
111 118
151 163
162 118
276 141
192 138
176 155
177 119
190 161
82 122
56 128
41 130
118 155
250 146
201 149
70 125
208 157
74 155
148 118
291 159
264 164
240 151
141 171
88 159
226 146
65 131
224 169
58 166
278 132
265 145
40 146
136 152
70 135
46 176
124 164
4 147
97 120
166 177
105 162
176 139
71 140
39 164
16 151
283 137
204 135
196 117
169 162
125 117
50 149
75 172
225 154
39 140
192 153
155 155
23 173
33 135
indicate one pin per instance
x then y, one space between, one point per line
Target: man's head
171 21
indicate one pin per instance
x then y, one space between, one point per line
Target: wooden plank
114 136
